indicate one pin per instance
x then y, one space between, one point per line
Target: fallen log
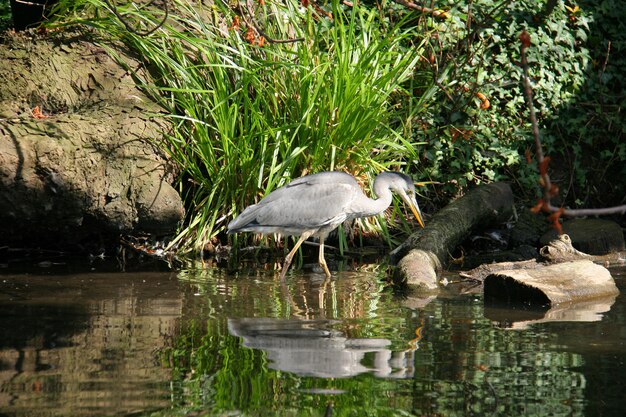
558 250
561 250
548 285
563 275
421 257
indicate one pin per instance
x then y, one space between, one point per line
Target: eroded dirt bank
77 157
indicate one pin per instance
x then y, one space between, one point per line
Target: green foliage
375 87
589 132
248 118
477 53
5 15
577 95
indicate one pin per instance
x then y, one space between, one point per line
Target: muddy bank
78 165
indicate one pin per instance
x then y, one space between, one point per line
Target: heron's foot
325 268
292 253
283 273
285 267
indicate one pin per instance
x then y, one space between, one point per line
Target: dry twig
435 12
133 30
550 189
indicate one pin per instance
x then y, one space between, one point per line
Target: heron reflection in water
316 204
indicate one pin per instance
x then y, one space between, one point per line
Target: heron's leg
293 251
321 260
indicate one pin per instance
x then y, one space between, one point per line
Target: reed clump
262 94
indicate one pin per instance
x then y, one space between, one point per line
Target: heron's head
403 185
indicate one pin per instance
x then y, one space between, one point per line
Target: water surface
203 342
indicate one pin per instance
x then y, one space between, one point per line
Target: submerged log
420 259
548 285
564 275
558 250
419 268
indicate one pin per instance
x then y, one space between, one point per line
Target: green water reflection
201 342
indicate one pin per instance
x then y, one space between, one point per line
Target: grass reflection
255 346
237 345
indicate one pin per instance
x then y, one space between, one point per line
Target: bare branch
132 29
436 13
548 189
28 3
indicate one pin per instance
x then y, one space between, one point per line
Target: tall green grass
249 118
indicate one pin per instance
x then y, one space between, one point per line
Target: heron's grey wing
308 203
307 206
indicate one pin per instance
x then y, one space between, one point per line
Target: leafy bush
5 15
589 131
476 53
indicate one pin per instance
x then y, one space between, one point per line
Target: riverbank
78 162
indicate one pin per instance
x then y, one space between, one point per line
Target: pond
202 342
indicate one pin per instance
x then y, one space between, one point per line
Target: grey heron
316 204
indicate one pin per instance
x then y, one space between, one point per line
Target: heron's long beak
417 213
415 208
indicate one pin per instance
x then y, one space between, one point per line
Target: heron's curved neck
383 201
